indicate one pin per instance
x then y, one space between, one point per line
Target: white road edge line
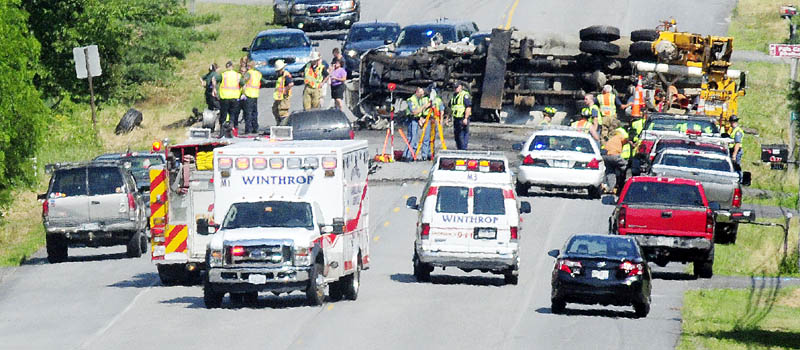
116 318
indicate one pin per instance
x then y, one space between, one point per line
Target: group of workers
232 91
426 110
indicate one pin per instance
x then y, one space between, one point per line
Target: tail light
45 207
425 232
533 161
131 202
158 235
237 251
352 134
709 221
621 218
514 233
737 198
593 164
631 269
569 266
528 160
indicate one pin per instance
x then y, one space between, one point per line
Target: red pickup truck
671 220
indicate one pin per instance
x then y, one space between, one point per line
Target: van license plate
485 233
600 274
257 279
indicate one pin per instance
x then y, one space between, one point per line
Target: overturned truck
510 73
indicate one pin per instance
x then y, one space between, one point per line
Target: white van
468 216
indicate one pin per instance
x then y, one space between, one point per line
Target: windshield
601 246
373 33
279 41
681 125
694 161
420 36
663 193
705 148
269 214
561 143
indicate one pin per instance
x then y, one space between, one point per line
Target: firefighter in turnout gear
283 92
461 107
252 86
314 79
547 116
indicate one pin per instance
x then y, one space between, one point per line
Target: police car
468 216
560 158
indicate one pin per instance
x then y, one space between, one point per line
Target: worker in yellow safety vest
315 75
737 136
461 107
230 89
252 86
608 104
283 92
595 117
582 124
417 104
616 159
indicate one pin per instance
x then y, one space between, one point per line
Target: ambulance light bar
261 163
225 163
242 163
329 163
482 165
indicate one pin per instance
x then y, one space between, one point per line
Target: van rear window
105 181
663 193
452 200
489 201
71 182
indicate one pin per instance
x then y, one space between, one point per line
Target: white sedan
558 158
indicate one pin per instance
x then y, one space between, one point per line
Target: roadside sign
87 60
784 50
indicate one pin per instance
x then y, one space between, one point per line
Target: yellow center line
376 238
511 14
330 307
386 224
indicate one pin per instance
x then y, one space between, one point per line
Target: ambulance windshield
269 214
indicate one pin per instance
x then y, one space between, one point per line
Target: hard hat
279 64
734 118
314 55
550 110
586 112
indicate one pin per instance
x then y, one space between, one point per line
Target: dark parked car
320 124
365 36
600 269
323 14
415 36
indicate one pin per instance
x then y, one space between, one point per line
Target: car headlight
352 53
302 256
215 258
347 5
298 9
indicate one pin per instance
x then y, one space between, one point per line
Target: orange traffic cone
638 98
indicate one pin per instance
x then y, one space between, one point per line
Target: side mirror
554 253
325 228
246 49
517 147
388 42
41 196
315 44
608 200
203 228
524 207
714 206
411 203
338 226
747 178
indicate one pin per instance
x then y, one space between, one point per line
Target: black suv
310 15
95 205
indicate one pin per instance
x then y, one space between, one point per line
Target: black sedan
600 269
365 36
320 124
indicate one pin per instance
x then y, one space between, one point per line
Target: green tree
22 112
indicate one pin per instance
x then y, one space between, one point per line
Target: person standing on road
609 103
417 103
252 87
595 117
737 136
283 92
338 78
337 56
616 159
209 82
230 89
313 80
461 109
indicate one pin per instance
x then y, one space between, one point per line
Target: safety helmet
550 110
586 112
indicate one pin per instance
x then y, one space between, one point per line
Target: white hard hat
279 64
314 55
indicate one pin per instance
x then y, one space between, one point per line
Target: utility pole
91 90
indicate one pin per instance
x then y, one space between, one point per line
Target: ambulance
181 204
291 216
468 216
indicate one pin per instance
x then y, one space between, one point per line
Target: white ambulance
468 216
291 216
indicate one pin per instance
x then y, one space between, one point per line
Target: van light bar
276 163
293 163
329 163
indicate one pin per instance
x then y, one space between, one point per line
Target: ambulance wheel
211 298
422 271
315 292
56 249
521 188
510 277
135 245
351 283
335 290
144 242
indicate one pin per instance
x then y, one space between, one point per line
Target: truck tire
510 278
56 249
705 268
642 50
170 275
351 283
135 245
597 47
600 33
144 242
557 306
725 233
315 292
129 120
644 35
422 271
211 298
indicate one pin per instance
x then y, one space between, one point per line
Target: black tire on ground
422 271
557 306
57 249
595 192
641 309
129 120
642 50
250 298
599 48
705 268
352 283
315 292
211 298
644 35
600 33
237 299
135 245
170 275
510 277
521 188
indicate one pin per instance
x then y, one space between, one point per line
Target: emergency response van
181 202
468 216
292 216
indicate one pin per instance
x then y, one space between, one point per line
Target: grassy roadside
71 139
758 252
762 317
